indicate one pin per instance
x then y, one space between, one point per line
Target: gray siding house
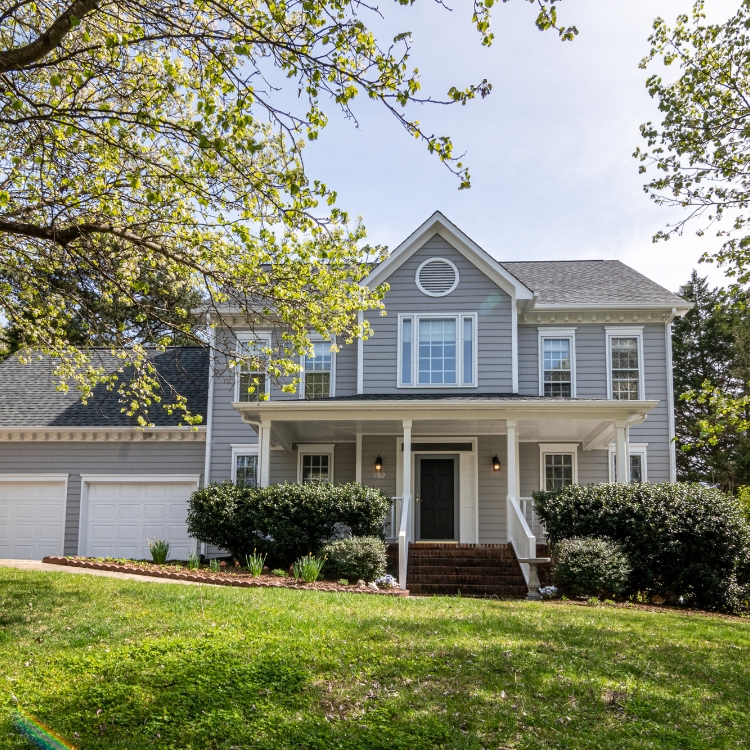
484 382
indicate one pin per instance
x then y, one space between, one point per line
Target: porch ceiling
588 421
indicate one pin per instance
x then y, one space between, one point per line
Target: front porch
455 468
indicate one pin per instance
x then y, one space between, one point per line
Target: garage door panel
142 511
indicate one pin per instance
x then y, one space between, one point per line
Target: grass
108 663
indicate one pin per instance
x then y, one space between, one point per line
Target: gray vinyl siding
493 490
528 361
283 467
655 430
76 458
385 447
474 293
346 370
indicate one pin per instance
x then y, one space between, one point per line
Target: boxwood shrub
681 539
355 557
284 521
591 566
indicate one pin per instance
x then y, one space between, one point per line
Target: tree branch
17 59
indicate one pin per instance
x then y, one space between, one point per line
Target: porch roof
588 421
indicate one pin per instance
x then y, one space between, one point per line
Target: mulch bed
227 576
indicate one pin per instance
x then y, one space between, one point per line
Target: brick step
466 570
455 580
447 562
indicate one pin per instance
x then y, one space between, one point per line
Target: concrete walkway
41 567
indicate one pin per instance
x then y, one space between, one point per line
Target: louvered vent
437 277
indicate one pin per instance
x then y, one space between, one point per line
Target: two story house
484 382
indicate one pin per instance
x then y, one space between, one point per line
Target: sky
550 150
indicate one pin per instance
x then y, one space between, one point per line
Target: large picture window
318 372
437 350
625 364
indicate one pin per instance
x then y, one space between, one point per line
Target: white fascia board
438 223
572 307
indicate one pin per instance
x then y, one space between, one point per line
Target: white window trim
557 449
638 449
617 332
318 339
315 449
434 294
558 333
243 450
263 339
459 318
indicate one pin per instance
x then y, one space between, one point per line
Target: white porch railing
403 540
528 510
519 535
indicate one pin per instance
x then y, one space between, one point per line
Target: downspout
210 405
670 396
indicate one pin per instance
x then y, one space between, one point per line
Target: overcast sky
550 151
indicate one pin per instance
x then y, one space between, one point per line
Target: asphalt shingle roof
29 396
589 282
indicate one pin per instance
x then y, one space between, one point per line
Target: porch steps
474 570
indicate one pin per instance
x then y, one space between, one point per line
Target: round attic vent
437 277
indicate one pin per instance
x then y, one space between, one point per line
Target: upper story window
318 372
251 381
557 362
437 350
625 363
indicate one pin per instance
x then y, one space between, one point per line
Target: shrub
279 572
343 581
159 549
356 557
256 563
308 568
214 566
591 566
285 521
743 498
681 539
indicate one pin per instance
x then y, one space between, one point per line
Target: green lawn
127 664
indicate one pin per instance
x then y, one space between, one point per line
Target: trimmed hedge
591 566
681 539
356 557
285 521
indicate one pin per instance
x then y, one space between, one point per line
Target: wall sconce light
378 464
496 465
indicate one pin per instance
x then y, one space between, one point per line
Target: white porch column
621 452
358 460
514 479
265 453
406 500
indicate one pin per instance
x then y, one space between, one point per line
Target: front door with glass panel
436 494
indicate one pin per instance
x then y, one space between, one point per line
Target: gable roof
439 224
29 397
590 282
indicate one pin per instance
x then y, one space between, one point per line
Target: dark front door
436 498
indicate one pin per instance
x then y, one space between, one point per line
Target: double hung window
638 472
557 362
437 350
315 463
559 467
625 364
319 371
245 465
252 381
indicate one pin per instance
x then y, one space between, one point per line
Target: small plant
214 566
279 572
159 550
194 560
386 581
255 562
308 568
548 592
343 582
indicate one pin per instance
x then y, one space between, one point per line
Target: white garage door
122 516
32 517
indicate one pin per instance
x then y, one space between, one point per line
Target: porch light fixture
496 465
378 464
